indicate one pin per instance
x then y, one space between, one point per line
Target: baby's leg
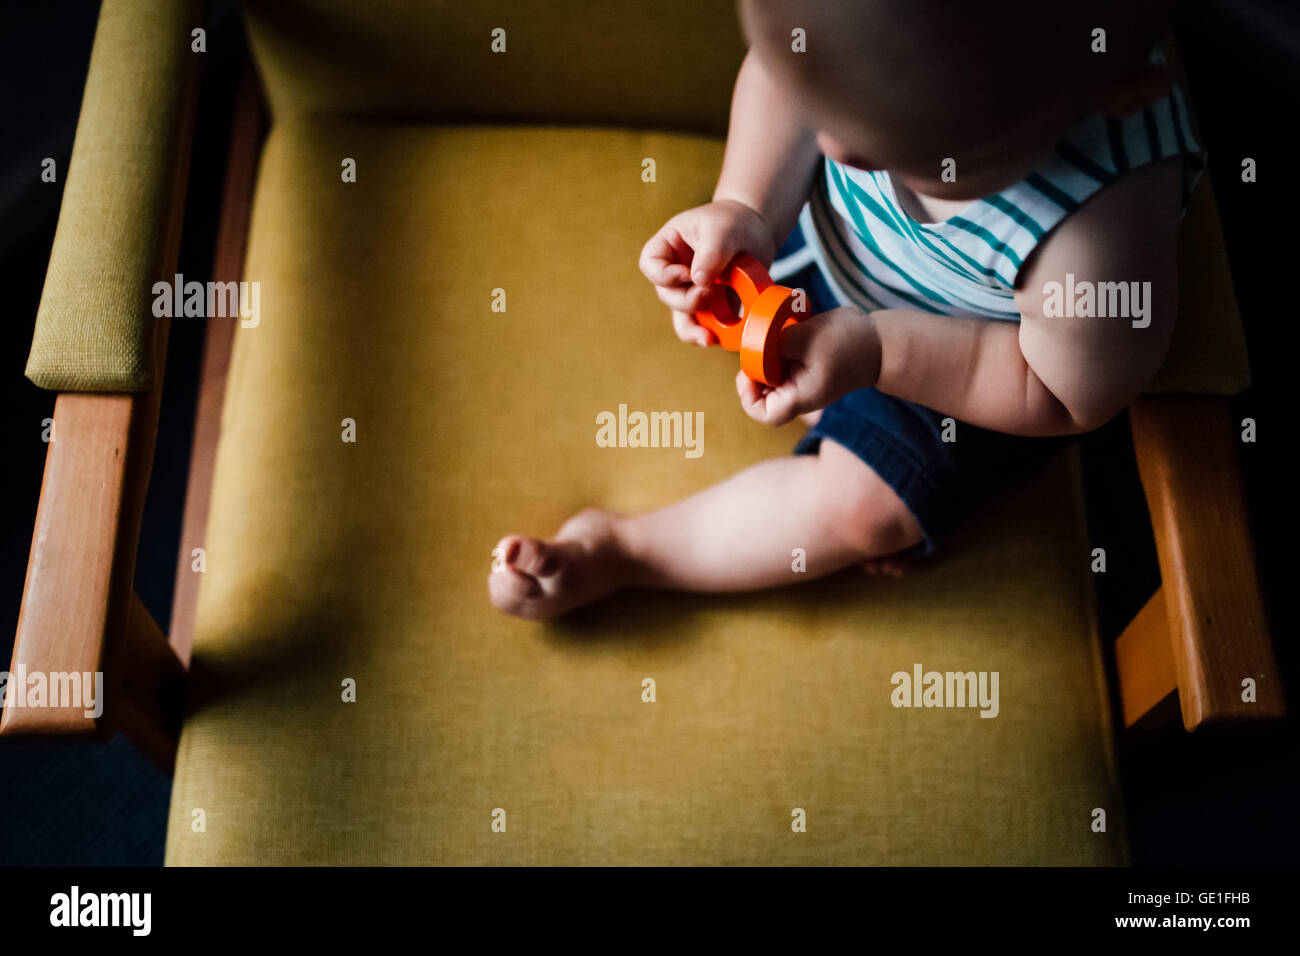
735 536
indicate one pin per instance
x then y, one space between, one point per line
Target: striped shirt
874 255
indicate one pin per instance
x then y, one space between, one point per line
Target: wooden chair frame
1200 636
80 612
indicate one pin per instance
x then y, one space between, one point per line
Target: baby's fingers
751 393
657 258
665 259
771 406
687 299
689 331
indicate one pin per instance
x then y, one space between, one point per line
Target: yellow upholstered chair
335 566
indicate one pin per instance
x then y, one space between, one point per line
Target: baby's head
904 85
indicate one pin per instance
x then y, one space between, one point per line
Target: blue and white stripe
871 253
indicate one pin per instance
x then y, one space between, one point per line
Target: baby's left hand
827 356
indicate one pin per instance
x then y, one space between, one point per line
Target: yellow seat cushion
330 561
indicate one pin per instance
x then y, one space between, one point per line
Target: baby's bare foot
538 579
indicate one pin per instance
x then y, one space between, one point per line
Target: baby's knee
867 515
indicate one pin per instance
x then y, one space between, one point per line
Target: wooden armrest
1206 628
97 344
79 613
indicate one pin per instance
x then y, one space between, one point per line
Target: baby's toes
531 556
888 566
511 590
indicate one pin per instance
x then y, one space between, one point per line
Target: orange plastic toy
766 310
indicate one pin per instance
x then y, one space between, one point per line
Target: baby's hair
997 54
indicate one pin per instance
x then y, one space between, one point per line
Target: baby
981 201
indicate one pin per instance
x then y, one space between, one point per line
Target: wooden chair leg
150 684
1144 658
1215 626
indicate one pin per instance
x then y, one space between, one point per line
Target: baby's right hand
684 257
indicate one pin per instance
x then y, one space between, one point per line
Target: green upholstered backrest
665 64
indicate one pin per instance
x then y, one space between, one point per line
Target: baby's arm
1055 374
771 154
767 171
1047 375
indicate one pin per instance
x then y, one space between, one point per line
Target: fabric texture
377 306
670 64
118 225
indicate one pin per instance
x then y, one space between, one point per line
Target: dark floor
1225 798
